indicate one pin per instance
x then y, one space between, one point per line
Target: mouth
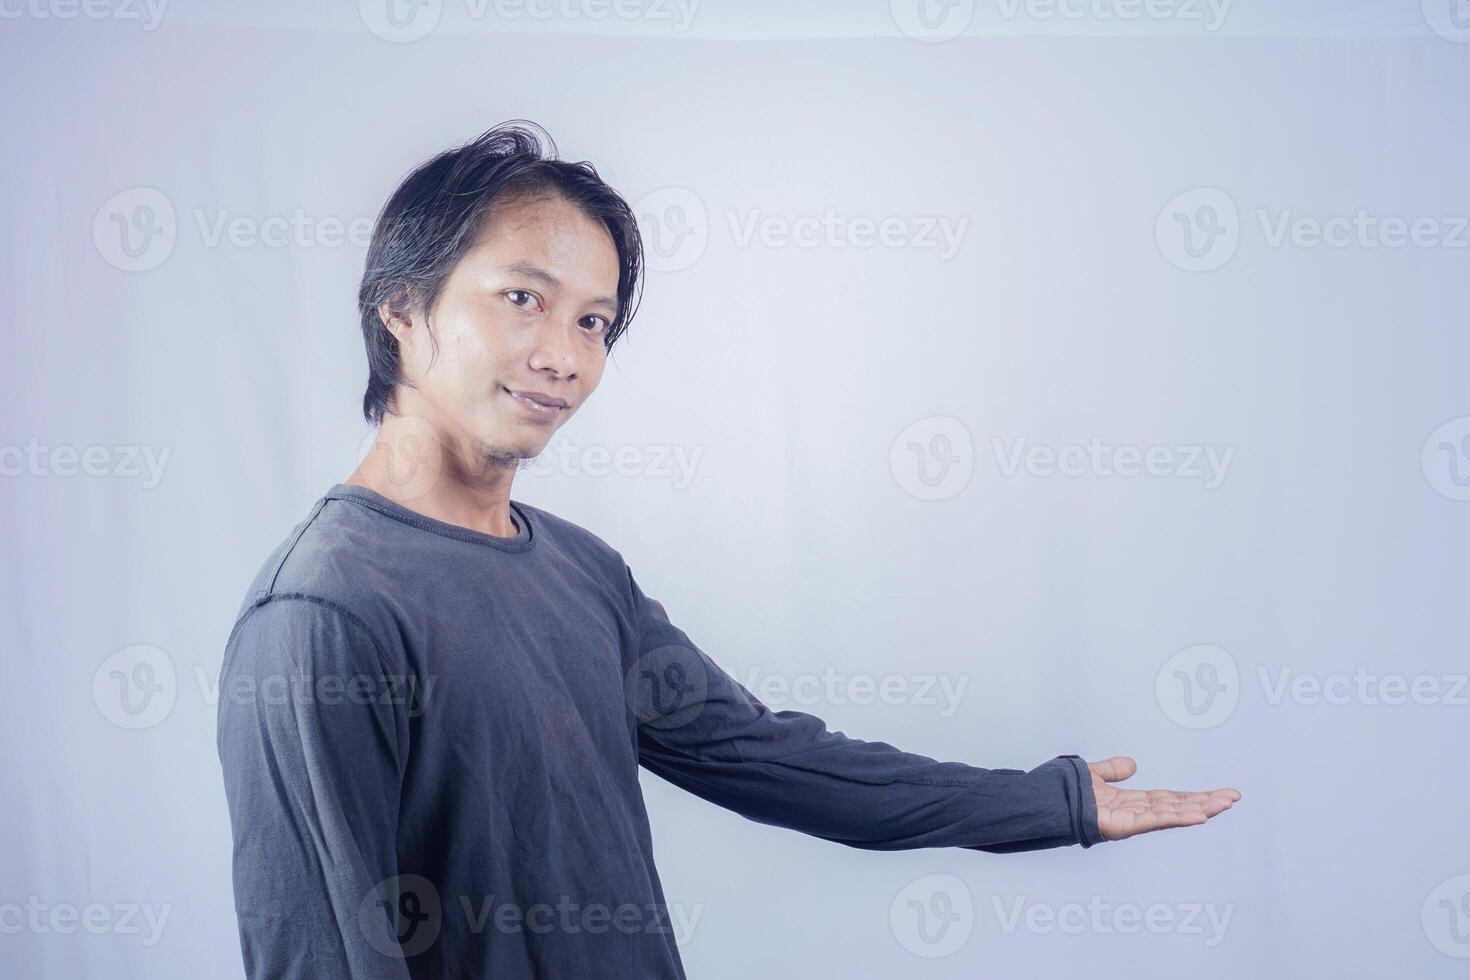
540 407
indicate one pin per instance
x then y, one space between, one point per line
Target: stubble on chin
505 459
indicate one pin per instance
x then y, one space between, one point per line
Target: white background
814 387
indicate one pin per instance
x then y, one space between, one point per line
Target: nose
557 349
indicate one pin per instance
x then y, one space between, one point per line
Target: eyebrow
542 276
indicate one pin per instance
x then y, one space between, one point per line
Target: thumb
1114 768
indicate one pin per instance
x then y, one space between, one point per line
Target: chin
506 452
532 450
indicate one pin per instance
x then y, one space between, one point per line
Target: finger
1121 825
1232 795
1151 820
1207 807
1137 809
1188 817
1114 768
1135 815
1215 805
1180 796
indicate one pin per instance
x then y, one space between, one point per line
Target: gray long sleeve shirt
431 737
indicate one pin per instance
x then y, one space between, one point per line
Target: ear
395 319
387 316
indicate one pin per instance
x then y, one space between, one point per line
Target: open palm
1123 813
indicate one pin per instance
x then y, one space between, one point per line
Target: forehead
552 233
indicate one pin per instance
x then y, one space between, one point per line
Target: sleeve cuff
1085 822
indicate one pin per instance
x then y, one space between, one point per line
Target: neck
421 468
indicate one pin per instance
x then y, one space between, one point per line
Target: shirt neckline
523 541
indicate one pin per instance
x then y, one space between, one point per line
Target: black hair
432 220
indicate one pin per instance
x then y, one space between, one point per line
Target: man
435 699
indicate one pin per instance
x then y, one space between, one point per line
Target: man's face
522 317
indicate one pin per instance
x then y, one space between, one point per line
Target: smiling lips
536 404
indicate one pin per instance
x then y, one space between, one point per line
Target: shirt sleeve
313 764
701 730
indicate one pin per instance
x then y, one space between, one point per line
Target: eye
519 297
599 324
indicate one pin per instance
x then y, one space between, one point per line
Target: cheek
468 350
592 370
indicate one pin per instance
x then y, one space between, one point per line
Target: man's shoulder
324 560
343 561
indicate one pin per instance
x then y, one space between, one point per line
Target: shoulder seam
275 573
378 648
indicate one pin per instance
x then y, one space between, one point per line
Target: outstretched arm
701 730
